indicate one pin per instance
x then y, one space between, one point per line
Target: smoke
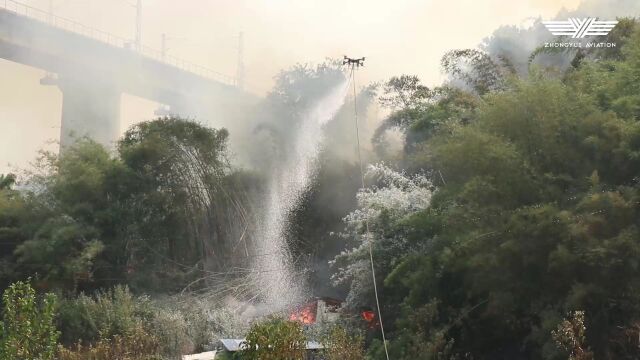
517 42
396 39
278 34
87 72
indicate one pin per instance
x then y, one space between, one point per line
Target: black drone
353 62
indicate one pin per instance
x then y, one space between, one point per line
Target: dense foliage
158 215
340 345
505 227
275 339
280 339
27 330
136 345
534 215
154 216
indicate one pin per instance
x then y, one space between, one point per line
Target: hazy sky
396 36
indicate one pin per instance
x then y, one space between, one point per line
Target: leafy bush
137 344
27 330
340 345
181 324
396 197
570 337
275 339
108 313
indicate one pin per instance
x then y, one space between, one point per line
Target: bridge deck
111 39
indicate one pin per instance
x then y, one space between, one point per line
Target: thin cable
366 221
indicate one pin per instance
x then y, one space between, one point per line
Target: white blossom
397 195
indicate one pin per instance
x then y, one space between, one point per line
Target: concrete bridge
93 68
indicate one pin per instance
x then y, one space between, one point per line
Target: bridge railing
113 40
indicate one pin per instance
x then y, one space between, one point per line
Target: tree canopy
533 214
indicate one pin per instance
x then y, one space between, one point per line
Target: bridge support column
91 109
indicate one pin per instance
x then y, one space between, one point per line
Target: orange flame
306 314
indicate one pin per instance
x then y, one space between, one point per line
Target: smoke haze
406 36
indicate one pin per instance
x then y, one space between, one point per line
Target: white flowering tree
394 197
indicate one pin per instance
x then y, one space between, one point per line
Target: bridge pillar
89 108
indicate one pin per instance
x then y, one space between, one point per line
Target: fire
306 314
371 319
368 315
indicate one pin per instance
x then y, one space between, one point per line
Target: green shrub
113 312
340 345
27 330
275 339
173 330
182 325
137 344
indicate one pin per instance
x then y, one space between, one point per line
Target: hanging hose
366 221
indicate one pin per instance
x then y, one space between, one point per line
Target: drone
353 62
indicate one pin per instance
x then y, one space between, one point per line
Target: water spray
280 285
354 64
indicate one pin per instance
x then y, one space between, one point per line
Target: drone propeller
353 62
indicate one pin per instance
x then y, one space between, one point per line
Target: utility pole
240 69
164 45
51 12
139 25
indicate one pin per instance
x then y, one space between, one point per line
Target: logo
579 28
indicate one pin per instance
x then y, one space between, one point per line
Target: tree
404 92
295 91
477 69
395 197
18 218
181 212
424 113
73 218
166 206
534 216
513 212
27 330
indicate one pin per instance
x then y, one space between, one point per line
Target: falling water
275 274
